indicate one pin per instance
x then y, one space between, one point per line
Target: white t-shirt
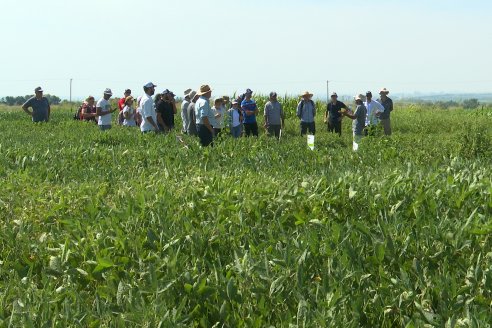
235 116
131 116
147 110
105 106
219 121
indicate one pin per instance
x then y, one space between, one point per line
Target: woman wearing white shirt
219 112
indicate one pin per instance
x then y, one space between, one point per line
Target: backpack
77 114
302 106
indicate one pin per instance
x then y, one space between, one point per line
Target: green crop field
119 229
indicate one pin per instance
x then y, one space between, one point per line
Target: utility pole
327 91
71 90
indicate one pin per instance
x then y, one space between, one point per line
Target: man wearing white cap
104 111
388 108
184 109
40 107
149 116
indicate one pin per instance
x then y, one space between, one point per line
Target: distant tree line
466 104
20 100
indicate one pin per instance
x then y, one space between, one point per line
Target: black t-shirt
167 113
334 108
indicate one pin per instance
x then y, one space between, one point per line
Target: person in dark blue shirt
40 107
333 115
250 110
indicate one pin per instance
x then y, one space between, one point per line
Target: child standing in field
359 117
219 112
235 117
129 112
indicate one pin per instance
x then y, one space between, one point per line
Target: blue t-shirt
248 105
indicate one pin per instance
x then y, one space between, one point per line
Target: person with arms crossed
40 105
388 108
274 116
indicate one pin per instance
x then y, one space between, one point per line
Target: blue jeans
104 127
236 131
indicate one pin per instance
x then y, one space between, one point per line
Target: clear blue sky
287 46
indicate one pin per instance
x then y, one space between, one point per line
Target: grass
120 229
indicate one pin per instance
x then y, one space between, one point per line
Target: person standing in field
149 116
205 118
166 109
274 116
88 110
388 108
374 110
129 112
121 105
138 111
306 112
219 113
250 110
184 110
40 105
235 119
226 102
333 114
104 111
359 117
191 127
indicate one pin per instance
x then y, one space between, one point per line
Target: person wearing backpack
306 112
88 110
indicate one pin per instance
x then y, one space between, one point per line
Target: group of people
201 119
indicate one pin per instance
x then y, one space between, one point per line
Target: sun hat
384 91
108 92
187 92
203 90
192 94
307 94
150 85
38 89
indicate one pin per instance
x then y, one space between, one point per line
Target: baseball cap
273 94
334 94
108 92
248 91
150 85
368 94
38 89
128 91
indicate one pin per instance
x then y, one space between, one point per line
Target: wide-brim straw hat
384 91
307 94
203 90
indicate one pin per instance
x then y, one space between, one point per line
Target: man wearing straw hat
388 108
104 111
306 112
184 109
205 116
359 117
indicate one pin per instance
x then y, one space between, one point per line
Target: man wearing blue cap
40 107
250 110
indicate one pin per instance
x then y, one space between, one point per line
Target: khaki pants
386 123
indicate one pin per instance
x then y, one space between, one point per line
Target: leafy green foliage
122 229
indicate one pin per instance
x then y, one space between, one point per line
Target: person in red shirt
121 105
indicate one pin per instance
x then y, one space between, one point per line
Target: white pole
71 90
327 92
